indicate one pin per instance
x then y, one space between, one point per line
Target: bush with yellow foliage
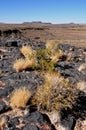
55 93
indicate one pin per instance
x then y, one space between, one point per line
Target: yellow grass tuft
19 65
52 77
22 64
52 44
56 56
55 52
26 51
20 97
29 63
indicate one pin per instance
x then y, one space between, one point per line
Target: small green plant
43 60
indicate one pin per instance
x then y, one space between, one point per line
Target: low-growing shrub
20 97
43 60
55 94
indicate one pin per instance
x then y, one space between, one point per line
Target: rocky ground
30 118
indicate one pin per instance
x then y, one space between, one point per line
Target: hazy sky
55 11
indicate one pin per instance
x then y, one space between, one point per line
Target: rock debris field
72 65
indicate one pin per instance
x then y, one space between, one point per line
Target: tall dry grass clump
20 97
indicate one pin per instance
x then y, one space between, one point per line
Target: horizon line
42 22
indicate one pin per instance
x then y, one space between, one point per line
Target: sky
54 11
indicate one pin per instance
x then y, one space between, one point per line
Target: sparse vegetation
52 45
46 58
56 93
55 52
20 97
22 64
43 60
19 65
29 64
26 51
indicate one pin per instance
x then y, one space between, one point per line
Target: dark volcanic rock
37 120
13 122
34 117
11 44
66 47
31 79
68 123
3 107
70 70
29 127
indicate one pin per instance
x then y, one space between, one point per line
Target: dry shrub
56 56
55 52
29 63
19 65
56 93
22 64
26 51
52 44
20 97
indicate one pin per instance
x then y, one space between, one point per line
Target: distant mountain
36 22
2 23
